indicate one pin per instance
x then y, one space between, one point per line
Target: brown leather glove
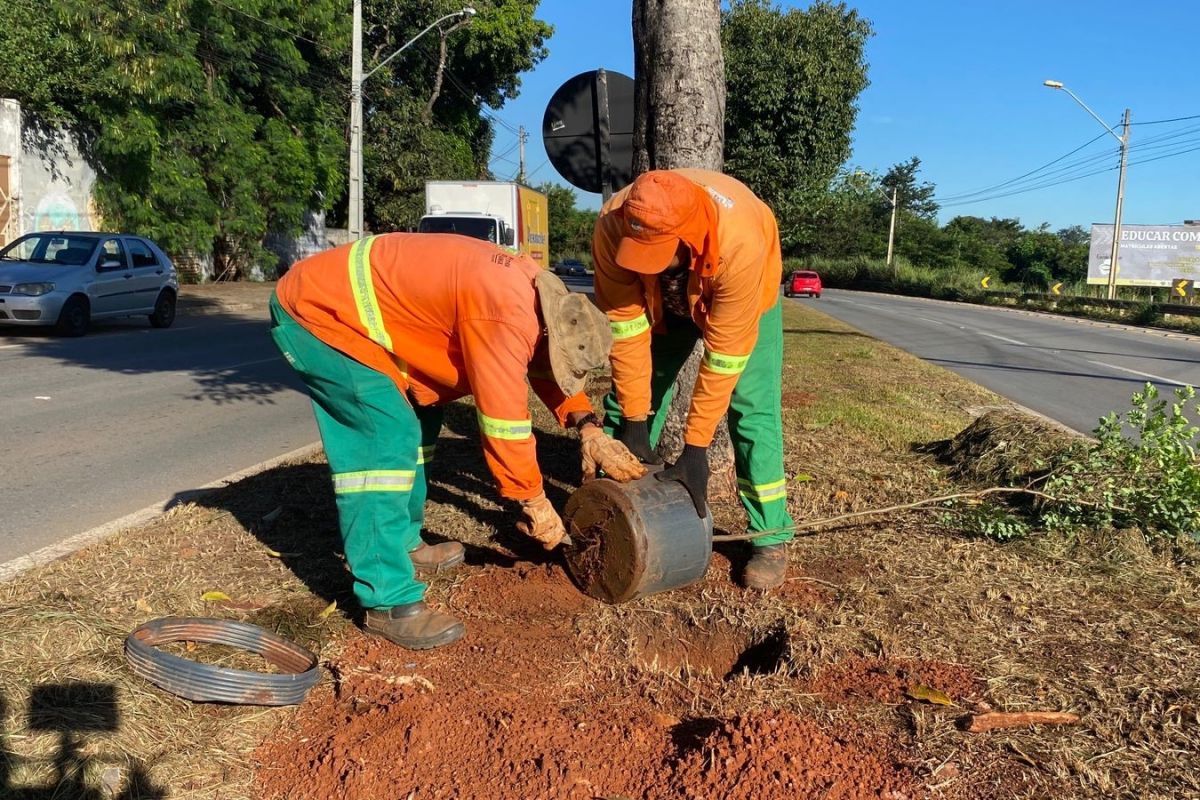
541 522
600 451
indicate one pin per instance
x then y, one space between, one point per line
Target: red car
802 282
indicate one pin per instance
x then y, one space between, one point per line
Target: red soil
517 709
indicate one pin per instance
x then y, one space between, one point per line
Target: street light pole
1115 253
357 78
355 212
892 231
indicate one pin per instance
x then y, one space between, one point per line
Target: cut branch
997 720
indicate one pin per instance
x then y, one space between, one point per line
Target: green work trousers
755 418
377 444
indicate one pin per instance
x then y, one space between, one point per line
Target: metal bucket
634 539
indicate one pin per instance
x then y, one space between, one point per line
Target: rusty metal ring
212 684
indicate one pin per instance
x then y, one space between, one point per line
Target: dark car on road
572 267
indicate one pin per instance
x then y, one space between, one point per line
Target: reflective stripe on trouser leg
371 438
756 429
668 353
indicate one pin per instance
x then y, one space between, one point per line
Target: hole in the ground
719 649
763 657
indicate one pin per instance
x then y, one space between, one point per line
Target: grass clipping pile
854 680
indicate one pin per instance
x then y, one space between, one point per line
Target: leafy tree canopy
212 123
793 80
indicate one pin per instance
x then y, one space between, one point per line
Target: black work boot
437 557
766 568
414 625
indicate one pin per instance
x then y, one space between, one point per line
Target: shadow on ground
227 353
80 715
291 508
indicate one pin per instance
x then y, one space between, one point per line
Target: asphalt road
95 428
1074 371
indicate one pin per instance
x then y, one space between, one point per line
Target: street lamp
1115 254
355 214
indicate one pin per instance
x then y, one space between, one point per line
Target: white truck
503 212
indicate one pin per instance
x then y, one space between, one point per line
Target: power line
1162 121
1031 172
1049 184
269 24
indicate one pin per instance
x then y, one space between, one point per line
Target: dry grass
1100 627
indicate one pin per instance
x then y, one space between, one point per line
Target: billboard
1151 255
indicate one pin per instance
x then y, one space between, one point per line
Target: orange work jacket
726 306
444 316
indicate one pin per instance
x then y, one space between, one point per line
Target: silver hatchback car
67 279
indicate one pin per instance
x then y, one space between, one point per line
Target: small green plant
1141 472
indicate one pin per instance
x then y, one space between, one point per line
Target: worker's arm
620 295
496 355
561 406
729 337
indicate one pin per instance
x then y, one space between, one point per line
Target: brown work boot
766 568
437 557
414 625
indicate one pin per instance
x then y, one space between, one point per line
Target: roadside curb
196 305
13 569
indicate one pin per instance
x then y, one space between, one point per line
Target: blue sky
959 84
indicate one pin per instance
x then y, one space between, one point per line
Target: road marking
252 363
1003 338
10 346
934 321
1155 378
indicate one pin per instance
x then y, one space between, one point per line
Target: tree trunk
679 121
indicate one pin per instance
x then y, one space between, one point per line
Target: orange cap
661 209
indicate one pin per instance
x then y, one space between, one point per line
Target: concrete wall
50 183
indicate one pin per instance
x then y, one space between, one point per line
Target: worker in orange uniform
390 328
690 254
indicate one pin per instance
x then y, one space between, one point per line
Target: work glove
636 438
541 522
692 471
601 451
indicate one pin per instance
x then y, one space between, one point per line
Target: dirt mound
874 679
778 756
1004 447
517 709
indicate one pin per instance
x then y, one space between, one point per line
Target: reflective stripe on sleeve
425 454
374 480
512 429
629 328
724 364
763 492
362 285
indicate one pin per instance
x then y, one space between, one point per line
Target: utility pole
892 231
522 137
355 215
1114 258
357 78
1115 255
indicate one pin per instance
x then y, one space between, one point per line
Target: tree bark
679 121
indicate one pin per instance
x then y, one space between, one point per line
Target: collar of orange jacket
663 204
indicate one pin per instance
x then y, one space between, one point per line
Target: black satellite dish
588 131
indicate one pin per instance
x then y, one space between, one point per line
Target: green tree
209 124
913 197
982 243
570 227
424 110
793 80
